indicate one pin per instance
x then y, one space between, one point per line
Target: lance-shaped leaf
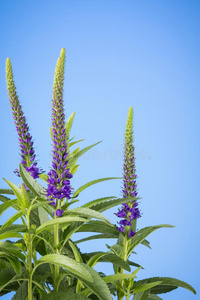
74 143
63 296
11 249
83 187
76 252
101 207
10 235
97 201
31 183
69 123
142 295
49 225
87 275
73 159
96 257
142 234
15 189
154 297
13 218
145 286
6 192
13 261
116 277
86 212
6 205
166 283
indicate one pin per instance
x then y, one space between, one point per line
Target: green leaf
94 259
11 249
77 254
115 260
15 189
73 143
43 215
66 205
74 158
15 263
160 289
83 187
146 243
31 183
25 203
22 292
88 276
142 234
12 219
153 297
69 124
117 249
145 286
44 177
166 281
107 257
6 192
6 205
95 237
116 277
141 296
6 276
10 235
74 268
49 225
99 226
63 296
97 201
14 228
74 169
101 207
86 212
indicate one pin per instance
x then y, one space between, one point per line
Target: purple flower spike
129 211
59 175
24 137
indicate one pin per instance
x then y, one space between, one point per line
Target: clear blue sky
144 54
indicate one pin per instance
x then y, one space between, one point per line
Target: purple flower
131 233
59 212
24 137
58 182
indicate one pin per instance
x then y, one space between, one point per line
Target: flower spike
129 211
24 137
59 175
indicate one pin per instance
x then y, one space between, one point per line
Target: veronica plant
47 223
42 260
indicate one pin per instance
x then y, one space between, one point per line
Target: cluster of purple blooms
129 211
58 182
24 137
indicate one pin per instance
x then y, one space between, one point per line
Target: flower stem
56 242
29 259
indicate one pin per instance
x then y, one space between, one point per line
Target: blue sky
143 54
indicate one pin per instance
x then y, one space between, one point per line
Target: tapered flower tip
62 52
8 62
8 67
130 117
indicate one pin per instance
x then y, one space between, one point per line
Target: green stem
56 243
29 259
